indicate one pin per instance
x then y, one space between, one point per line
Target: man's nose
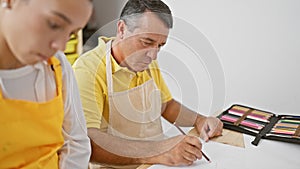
152 53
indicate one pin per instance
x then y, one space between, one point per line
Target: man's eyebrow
64 17
148 39
151 40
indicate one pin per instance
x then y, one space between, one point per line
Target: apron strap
56 67
109 68
1 88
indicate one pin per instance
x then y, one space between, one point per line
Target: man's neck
118 54
116 51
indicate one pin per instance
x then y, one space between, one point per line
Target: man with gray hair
124 95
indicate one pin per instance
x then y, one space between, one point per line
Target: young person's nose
59 44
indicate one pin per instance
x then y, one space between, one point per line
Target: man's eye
146 43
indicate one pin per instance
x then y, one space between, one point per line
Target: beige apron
134 114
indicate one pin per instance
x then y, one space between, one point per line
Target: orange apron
31 132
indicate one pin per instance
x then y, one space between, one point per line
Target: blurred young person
42 123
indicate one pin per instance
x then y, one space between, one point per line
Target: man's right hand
185 152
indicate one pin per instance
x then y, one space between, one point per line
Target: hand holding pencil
204 155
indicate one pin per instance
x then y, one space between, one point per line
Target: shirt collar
115 66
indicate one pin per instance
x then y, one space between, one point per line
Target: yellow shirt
90 72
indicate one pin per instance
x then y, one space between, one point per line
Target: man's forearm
114 150
183 116
100 155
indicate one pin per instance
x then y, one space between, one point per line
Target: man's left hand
208 127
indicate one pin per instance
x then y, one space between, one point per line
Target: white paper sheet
220 155
268 154
199 164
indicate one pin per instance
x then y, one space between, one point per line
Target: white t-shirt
37 83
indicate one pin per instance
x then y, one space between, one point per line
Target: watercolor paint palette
261 124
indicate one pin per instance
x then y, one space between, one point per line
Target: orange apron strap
56 67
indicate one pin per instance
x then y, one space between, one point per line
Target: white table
268 154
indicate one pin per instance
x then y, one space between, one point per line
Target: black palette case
261 124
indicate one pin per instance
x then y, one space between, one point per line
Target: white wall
232 51
257 42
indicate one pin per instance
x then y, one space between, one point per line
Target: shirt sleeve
76 151
91 86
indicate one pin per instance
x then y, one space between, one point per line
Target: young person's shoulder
65 64
62 58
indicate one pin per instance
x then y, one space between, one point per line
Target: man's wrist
200 119
149 160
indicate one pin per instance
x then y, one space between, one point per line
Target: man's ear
121 28
5 3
